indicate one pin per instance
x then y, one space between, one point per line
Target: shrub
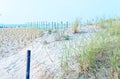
66 37
57 37
45 42
49 31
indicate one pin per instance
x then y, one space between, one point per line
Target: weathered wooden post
61 24
28 64
41 25
55 25
58 25
46 25
52 25
67 24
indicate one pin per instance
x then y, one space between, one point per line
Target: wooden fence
43 25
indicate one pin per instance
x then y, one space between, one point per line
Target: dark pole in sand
28 64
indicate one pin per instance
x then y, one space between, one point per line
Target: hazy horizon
14 11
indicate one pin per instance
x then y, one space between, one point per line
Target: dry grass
19 35
75 26
24 33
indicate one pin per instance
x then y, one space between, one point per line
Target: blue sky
21 11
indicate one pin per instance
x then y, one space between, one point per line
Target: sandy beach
45 58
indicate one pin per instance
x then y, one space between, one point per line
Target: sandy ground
45 58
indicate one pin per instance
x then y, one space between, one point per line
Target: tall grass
102 52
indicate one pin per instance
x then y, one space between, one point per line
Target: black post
28 64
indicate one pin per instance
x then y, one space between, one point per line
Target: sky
21 11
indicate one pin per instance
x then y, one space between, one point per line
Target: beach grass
18 35
102 52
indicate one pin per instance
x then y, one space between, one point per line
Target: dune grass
75 26
102 52
22 34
